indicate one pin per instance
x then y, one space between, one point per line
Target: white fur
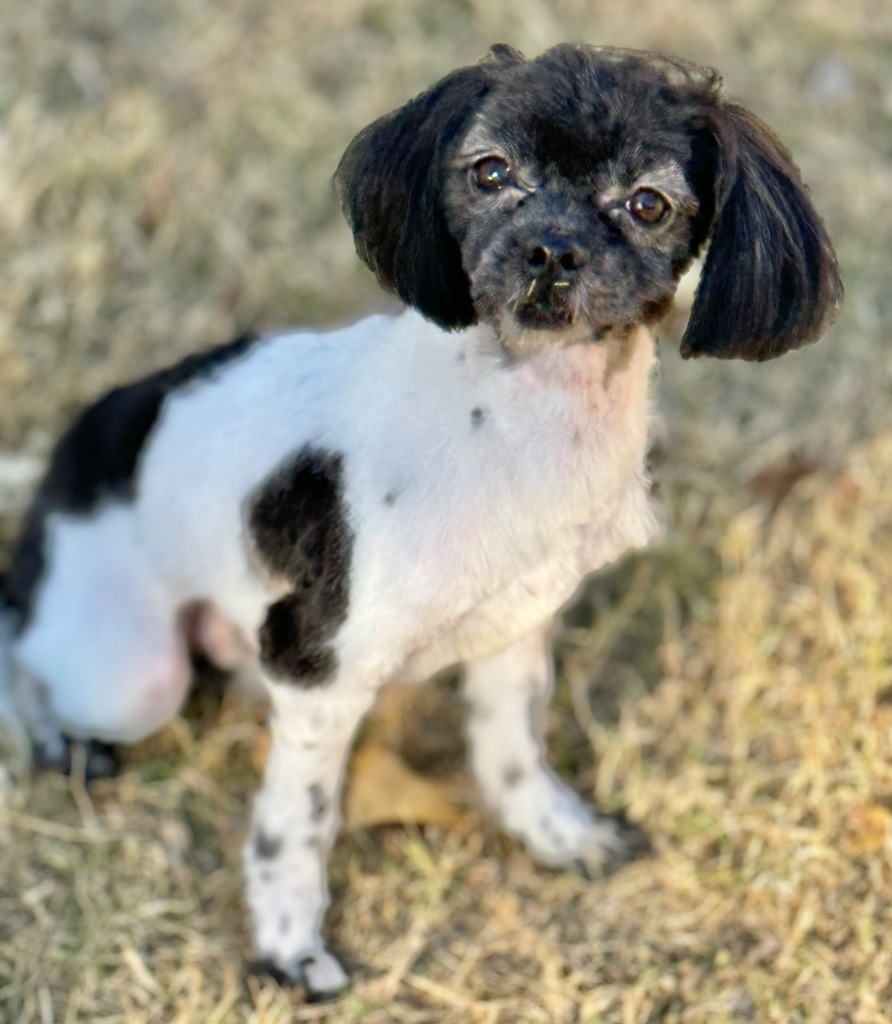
491 528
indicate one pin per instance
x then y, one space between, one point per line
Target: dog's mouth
547 305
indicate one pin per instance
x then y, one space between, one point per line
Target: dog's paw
101 761
316 971
95 759
627 842
560 830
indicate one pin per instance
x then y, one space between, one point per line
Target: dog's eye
493 173
648 206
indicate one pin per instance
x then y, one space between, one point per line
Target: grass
165 181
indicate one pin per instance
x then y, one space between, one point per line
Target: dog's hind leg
295 818
506 697
50 748
102 655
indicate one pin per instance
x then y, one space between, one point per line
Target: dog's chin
530 328
536 316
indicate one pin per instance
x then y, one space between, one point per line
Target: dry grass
165 179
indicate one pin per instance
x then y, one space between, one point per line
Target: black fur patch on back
96 459
298 524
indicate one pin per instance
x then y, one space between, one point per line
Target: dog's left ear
770 281
389 182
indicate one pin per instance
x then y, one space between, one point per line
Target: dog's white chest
514 483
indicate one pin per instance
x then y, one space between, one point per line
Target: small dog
410 492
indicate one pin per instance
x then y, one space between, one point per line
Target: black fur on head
507 192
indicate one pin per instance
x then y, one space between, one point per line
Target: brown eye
648 206
493 173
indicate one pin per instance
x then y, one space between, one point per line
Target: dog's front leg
295 819
506 697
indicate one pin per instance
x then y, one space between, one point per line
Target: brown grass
165 179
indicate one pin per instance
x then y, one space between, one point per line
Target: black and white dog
375 503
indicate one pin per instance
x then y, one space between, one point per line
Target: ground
164 182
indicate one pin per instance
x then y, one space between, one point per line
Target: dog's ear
389 182
770 281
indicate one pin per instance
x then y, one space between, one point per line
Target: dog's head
568 193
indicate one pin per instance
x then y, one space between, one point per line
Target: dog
338 510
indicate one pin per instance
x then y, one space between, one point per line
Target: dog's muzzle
553 264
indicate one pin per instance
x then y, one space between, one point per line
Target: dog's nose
556 253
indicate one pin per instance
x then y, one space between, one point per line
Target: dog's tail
15 744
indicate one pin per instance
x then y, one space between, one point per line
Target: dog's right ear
389 183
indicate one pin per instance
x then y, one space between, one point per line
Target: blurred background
165 173
165 182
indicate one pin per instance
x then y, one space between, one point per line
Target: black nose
556 253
